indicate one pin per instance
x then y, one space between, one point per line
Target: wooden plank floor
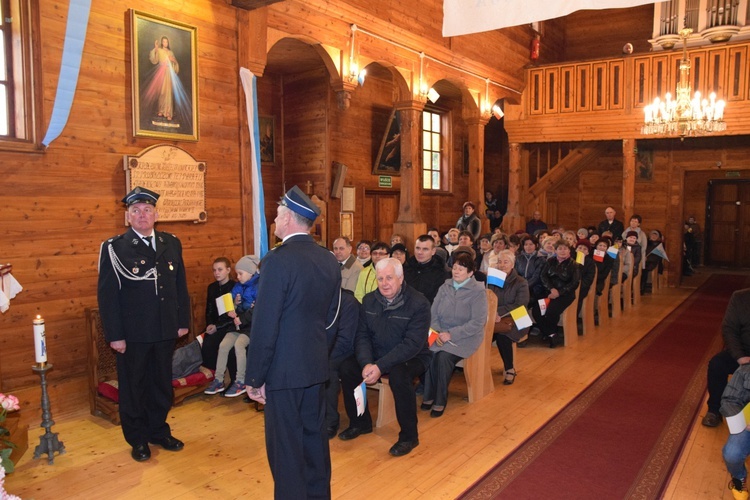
224 456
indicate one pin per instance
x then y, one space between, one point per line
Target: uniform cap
140 195
299 203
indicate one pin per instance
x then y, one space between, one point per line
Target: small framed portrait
165 78
266 130
644 165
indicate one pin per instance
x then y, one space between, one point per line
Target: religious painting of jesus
165 83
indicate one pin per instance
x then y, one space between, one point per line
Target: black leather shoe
352 433
437 413
332 430
141 452
403 448
426 406
711 419
169 443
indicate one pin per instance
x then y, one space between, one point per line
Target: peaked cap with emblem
140 195
299 203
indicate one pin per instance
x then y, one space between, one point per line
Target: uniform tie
147 239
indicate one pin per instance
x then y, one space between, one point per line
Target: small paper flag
599 255
612 252
432 336
580 257
224 304
521 316
360 397
496 277
660 252
543 303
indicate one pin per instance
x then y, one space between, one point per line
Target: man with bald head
610 224
536 223
391 340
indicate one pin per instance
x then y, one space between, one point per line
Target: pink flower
9 402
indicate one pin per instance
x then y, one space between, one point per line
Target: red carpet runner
622 436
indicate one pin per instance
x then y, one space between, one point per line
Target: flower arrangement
4 495
8 403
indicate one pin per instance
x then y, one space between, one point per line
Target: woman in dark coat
513 294
529 266
560 277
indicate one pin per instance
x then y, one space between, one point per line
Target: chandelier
684 116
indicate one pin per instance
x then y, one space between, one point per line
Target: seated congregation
412 316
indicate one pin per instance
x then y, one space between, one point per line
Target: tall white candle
40 340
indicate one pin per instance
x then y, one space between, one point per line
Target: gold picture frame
164 67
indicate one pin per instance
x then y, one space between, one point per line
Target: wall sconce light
497 111
433 95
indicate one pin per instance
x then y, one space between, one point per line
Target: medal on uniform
143 262
171 268
135 270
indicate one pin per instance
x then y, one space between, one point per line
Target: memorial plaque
172 172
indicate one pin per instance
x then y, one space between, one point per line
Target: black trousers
720 367
505 347
333 387
438 377
547 324
296 443
401 380
144 375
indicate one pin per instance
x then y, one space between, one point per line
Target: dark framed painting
644 165
163 59
388 159
266 130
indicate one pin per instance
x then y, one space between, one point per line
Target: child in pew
244 293
217 325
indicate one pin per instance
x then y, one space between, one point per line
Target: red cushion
202 376
110 390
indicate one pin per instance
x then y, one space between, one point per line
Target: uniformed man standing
287 362
144 306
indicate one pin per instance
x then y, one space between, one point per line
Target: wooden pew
569 321
602 303
587 308
616 290
636 288
477 367
627 291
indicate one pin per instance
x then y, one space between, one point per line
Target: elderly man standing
391 340
610 224
350 266
287 362
144 305
536 223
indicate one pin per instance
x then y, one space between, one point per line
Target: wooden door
728 223
380 212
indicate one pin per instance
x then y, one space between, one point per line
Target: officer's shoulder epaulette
114 238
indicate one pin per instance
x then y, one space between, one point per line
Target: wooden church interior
568 145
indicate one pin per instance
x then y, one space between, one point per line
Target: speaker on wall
339 172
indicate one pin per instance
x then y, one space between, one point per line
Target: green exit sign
733 173
385 181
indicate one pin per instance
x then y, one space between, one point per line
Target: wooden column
475 126
628 178
251 54
513 220
409 222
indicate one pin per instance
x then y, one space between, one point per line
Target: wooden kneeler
477 367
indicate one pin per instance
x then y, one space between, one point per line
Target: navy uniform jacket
131 310
298 295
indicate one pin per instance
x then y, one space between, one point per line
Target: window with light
432 150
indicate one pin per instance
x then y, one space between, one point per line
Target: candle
40 341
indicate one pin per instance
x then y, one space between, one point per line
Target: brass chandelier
684 116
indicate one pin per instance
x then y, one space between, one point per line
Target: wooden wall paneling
551 90
536 92
599 86
599 34
716 73
698 71
737 75
660 77
616 84
583 87
641 78
567 89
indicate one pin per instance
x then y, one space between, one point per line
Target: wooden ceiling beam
253 4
